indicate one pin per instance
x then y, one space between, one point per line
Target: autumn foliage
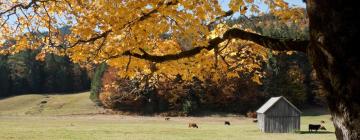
159 94
251 114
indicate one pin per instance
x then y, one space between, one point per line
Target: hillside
53 104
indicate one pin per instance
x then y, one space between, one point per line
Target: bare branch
7 18
21 5
128 64
92 39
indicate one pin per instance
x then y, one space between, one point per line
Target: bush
190 107
183 96
251 114
96 83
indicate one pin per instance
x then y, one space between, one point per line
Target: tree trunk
334 31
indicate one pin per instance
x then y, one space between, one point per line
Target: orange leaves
235 5
292 14
282 4
40 56
156 26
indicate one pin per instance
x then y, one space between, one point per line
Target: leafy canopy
186 35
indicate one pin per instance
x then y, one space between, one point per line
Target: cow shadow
315 132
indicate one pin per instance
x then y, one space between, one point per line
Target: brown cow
167 118
193 125
322 128
227 123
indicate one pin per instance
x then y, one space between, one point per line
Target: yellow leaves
232 75
281 9
235 5
218 31
22 44
282 4
249 1
243 10
130 67
40 56
292 14
151 25
256 79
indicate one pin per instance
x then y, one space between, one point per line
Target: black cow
315 127
227 123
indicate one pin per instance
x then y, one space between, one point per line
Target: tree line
22 74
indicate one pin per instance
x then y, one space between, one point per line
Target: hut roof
272 101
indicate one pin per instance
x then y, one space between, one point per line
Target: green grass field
74 117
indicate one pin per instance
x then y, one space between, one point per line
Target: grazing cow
167 118
227 123
193 125
322 121
315 127
255 120
322 128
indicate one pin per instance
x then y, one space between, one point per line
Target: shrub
96 83
251 114
189 107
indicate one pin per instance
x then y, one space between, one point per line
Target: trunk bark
334 33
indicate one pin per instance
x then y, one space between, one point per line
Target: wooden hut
278 115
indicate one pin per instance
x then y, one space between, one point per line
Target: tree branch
267 42
21 5
92 39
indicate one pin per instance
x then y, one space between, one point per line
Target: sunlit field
53 122
146 128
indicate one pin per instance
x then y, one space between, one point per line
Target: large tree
156 35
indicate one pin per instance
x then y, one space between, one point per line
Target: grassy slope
56 105
23 117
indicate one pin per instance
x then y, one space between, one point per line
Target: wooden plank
282 124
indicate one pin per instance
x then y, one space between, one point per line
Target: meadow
73 116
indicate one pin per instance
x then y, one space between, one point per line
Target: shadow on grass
314 132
